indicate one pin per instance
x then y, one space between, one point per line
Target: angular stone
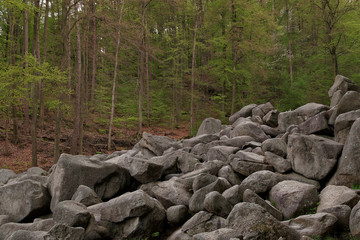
254 222
354 221
177 214
349 102
313 225
344 84
311 109
333 195
24 200
105 178
233 195
9 228
342 212
313 156
86 196
205 138
249 156
300 178
202 222
219 234
276 146
215 203
156 144
262 109
343 125
209 126
244 112
348 170
6 175
202 180
27 235
62 231
286 119
251 197
221 153
229 174
144 171
317 124
72 214
260 182
273 132
249 129
280 164
271 118
335 99
246 168
293 198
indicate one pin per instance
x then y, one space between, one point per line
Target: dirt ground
19 159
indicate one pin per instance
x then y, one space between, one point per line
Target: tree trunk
141 90
7 150
193 63
234 58
77 121
289 42
26 51
93 49
114 79
146 43
57 134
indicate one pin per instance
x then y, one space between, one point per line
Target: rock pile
268 175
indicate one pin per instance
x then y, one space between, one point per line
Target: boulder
271 118
62 231
137 204
209 126
280 164
343 125
221 153
260 182
219 234
311 109
6 175
205 138
251 197
254 222
286 119
202 222
348 170
156 144
196 202
300 178
86 196
144 171
276 146
313 156
249 129
202 180
244 112
313 225
177 214
342 212
105 178
234 194
349 102
354 221
335 99
215 203
5 219
317 124
229 174
343 84
248 156
333 195
247 168
9 228
23 201
262 109
273 132
72 214
293 198
27 235
238 142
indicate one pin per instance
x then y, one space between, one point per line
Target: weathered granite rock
342 212
6 175
5 219
271 118
244 112
27 235
254 222
313 225
348 170
280 164
106 179
354 221
343 125
247 168
202 180
234 194
251 197
203 222
209 126
313 156
229 174
24 200
262 109
215 203
72 214
64 232
249 129
9 228
221 153
205 138
196 202
344 84
177 214
300 178
286 119
317 124
260 182
335 99
219 234
333 195
248 156
349 102
293 198
272 132
156 144
276 146
86 196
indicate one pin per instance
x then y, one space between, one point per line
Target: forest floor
19 159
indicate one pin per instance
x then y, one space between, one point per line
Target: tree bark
115 76
93 49
57 134
193 65
234 58
146 47
26 51
288 11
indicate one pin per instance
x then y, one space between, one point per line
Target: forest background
73 69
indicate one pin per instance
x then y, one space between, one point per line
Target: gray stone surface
209 126
343 125
276 146
244 112
221 153
64 232
27 235
354 221
249 129
6 175
229 174
203 222
293 198
86 196
215 203
333 195
7 229
205 138
72 214
344 84
234 194
342 212
271 118
260 182
317 124
280 164
156 144
349 102
177 214
247 168
219 234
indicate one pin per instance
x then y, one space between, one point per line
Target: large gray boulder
9 228
293 198
202 222
234 194
156 144
64 232
247 168
271 118
209 126
280 164
177 214
6 175
276 146
106 179
262 109
72 214
221 153
354 221
215 203
86 196
300 178
27 235
342 212
313 225
349 102
343 125
23 201
313 156
249 129
205 138
260 182
219 234
244 112
348 170
254 222
229 174
317 124
333 195
343 84
202 180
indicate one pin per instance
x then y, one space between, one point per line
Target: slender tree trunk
146 43
114 79
77 121
193 63
141 90
93 49
57 135
234 58
26 51
288 11
7 150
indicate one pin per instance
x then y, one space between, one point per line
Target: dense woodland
134 63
